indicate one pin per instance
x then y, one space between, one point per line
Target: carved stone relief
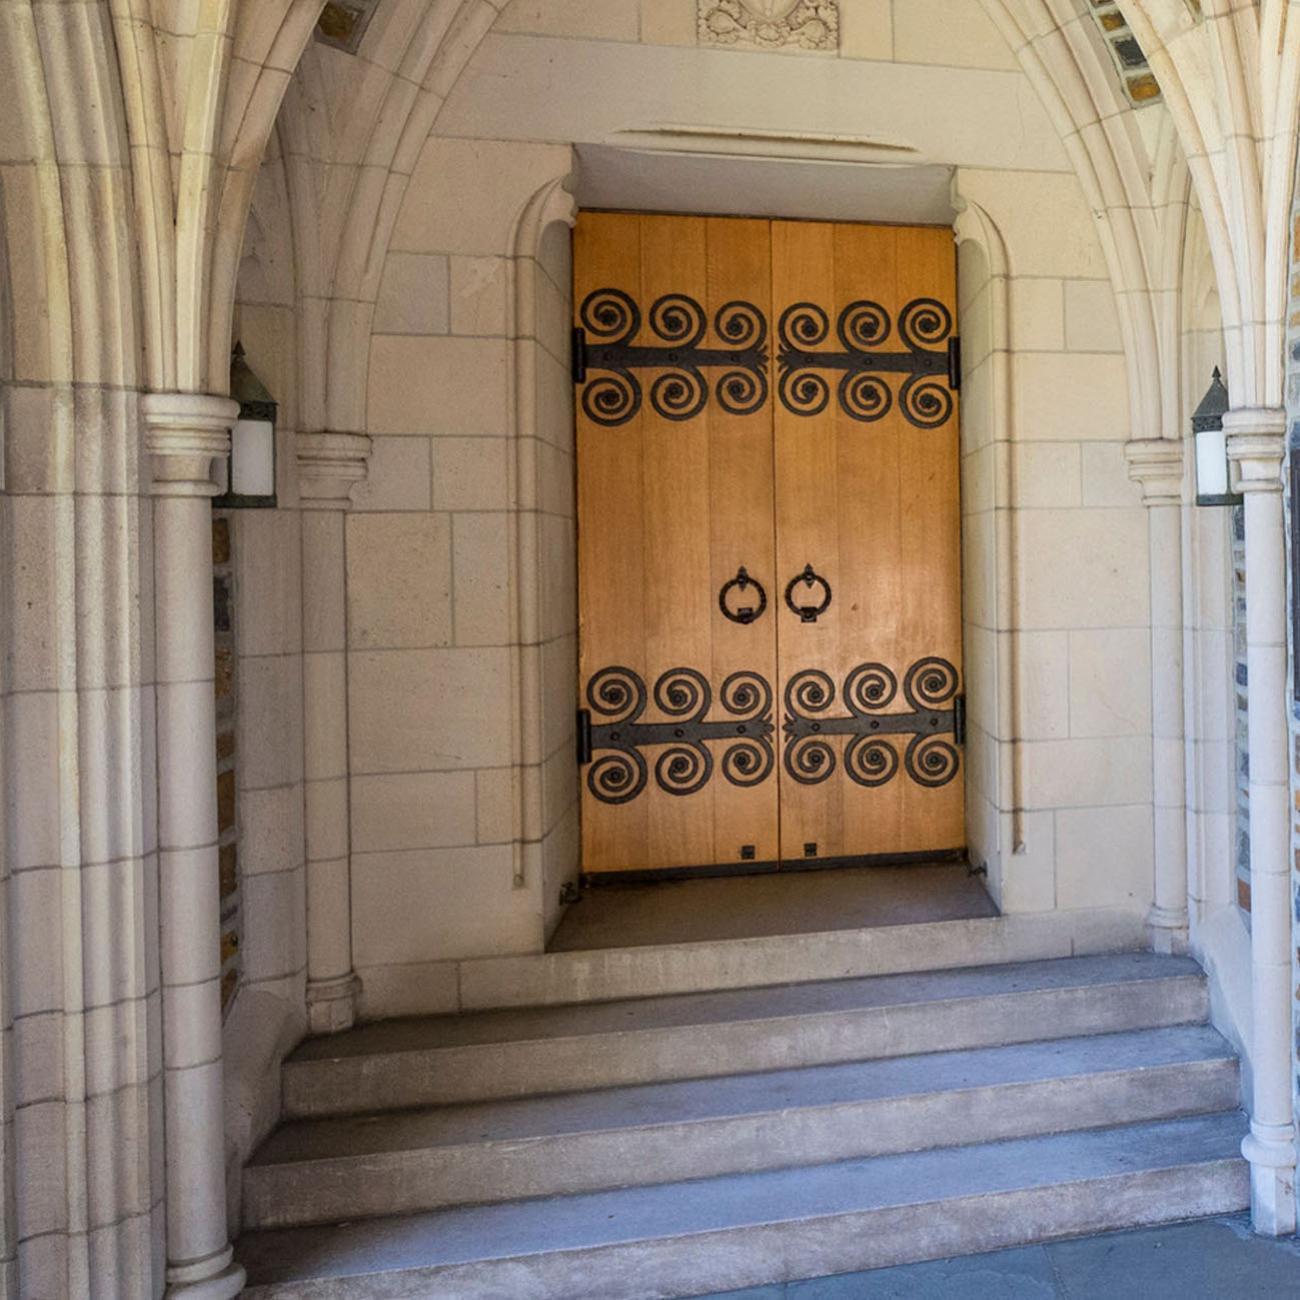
771 24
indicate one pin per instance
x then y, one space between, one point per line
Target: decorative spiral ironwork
612 399
864 391
803 325
747 695
610 315
742 392
803 393
873 735
678 320
683 769
811 691
865 397
617 693
810 761
748 761
679 394
932 761
924 323
683 740
862 326
870 760
611 321
683 692
930 683
605 343
925 402
870 688
617 777
741 324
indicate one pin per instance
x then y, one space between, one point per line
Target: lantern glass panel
252 458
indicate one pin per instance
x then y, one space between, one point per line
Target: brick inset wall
223 613
1241 753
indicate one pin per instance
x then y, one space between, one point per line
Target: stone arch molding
551 205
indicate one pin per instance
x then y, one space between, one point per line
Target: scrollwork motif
685 762
864 393
872 756
610 322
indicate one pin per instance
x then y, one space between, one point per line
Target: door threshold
729 870
626 914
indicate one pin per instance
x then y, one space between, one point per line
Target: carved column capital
1256 448
1156 464
330 465
186 434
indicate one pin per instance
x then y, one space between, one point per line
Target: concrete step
661 969
323 1171
719 1234
516 1053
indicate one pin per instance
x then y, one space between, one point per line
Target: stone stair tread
768 1002
683 1102
521 1230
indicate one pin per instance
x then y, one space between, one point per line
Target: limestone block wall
435 653
1056 563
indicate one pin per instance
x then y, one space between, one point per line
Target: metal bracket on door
611 319
810 578
746 614
615 747
876 739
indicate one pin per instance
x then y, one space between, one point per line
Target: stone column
1256 450
329 467
1157 465
185 434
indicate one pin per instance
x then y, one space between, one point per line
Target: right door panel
868 541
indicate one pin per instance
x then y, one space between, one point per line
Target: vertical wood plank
669 509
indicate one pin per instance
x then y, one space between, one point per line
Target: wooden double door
768 543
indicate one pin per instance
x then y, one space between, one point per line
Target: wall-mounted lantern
250 478
1213 482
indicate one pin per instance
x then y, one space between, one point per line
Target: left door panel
675 489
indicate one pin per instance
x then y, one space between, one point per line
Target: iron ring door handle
810 578
746 614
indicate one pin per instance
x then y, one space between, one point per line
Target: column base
1168 931
183 1283
332 1004
1272 1155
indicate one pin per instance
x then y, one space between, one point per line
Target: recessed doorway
769 545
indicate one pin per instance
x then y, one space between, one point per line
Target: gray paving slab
1208 1259
1024 1274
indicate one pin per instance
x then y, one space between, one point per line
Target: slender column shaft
1157 464
186 433
329 466
1256 447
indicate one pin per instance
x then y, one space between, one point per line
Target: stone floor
1210 1259
795 902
